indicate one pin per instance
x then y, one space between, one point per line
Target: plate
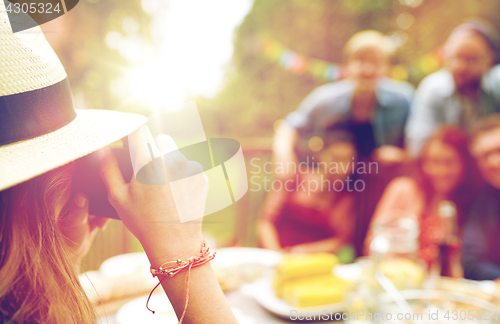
263 293
235 256
125 264
349 272
135 311
132 263
446 307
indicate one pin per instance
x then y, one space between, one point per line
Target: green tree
258 91
91 64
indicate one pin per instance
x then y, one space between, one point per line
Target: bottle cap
447 209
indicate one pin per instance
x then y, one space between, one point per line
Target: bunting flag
299 64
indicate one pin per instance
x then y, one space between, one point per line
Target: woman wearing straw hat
45 229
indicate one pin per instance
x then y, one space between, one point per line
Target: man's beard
470 86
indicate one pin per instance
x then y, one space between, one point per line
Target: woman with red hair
445 177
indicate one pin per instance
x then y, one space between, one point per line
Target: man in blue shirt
481 239
374 107
371 106
467 89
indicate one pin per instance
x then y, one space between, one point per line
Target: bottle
447 211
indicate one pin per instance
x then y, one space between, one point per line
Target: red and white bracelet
171 268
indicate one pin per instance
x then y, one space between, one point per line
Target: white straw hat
39 128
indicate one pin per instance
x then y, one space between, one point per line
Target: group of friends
446 134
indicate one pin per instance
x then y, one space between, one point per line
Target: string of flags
329 71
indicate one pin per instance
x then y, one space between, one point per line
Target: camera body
88 181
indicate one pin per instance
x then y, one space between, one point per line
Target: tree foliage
79 38
258 91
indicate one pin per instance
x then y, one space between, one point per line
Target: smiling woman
447 176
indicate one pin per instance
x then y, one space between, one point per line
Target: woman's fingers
111 174
165 143
138 149
143 148
153 150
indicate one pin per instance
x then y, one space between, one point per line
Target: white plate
135 311
350 272
234 256
263 293
125 264
131 263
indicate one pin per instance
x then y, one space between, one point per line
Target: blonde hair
38 283
368 39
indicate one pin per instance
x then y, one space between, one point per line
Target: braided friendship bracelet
171 268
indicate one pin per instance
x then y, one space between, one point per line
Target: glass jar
401 231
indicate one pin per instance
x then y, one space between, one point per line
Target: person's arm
301 120
475 247
271 211
284 148
400 199
423 118
331 245
493 84
395 154
268 235
342 224
152 215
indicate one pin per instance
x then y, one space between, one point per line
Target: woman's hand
299 249
330 245
78 227
151 212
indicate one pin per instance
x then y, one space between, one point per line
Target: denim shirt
331 103
437 102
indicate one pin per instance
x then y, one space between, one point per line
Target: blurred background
246 63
